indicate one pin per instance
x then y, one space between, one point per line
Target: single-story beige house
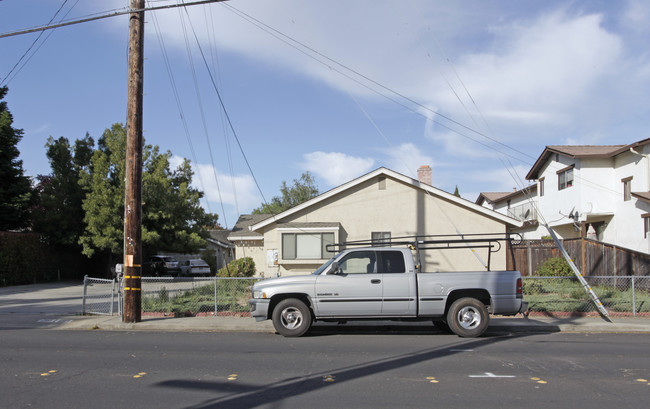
380 205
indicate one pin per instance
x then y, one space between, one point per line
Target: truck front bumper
259 308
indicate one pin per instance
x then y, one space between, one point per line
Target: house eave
398 176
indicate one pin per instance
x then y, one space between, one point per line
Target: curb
239 324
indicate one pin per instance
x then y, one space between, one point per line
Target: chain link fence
221 296
99 296
620 295
173 296
196 296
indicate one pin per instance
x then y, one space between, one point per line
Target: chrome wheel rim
291 318
469 318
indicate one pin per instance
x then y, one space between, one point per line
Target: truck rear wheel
291 317
468 317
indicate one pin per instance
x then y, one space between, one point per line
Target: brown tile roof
580 151
645 196
586 151
493 197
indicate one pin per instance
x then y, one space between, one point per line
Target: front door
356 290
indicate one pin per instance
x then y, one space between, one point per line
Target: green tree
58 216
15 187
456 192
302 190
172 218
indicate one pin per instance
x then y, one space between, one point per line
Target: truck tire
291 317
468 317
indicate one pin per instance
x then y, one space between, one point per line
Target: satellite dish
571 212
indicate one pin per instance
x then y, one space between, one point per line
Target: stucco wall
597 196
402 210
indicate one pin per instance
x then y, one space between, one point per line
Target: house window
565 178
541 186
306 246
380 238
627 188
646 224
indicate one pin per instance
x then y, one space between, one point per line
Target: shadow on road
240 395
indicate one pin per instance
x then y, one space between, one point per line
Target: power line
6 79
230 124
103 16
264 27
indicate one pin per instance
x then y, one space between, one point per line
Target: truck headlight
259 294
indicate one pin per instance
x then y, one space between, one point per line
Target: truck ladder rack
491 241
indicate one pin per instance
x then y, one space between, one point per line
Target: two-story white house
595 191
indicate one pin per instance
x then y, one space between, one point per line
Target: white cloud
336 168
235 195
407 158
636 15
539 71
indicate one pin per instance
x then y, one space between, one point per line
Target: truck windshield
323 267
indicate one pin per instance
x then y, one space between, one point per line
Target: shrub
242 267
555 267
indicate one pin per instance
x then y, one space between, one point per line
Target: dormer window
565 177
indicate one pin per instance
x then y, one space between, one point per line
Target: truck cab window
391 262
359 262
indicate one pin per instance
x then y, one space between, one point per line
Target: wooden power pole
133 189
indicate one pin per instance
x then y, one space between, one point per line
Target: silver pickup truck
383 283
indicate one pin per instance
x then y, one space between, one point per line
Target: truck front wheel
468 317
291 317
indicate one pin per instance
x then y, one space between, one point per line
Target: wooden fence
592 258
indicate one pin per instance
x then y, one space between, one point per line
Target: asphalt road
328 369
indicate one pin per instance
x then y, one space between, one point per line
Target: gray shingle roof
241 228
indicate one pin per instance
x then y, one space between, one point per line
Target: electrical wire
228 120
6 80
179 105
201 110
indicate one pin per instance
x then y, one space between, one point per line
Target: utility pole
133 189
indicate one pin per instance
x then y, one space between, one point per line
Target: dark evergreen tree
15 187
58 216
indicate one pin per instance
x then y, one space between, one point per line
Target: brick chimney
425 175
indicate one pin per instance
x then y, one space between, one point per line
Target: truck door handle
375 281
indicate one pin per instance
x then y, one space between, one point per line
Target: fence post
83 301
633 299
112 297
216 310
119 295
529 256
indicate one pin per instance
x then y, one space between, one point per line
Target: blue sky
475 89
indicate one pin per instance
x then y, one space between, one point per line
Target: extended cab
384 283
